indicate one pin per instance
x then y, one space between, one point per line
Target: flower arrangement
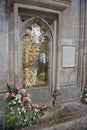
19 109
84 97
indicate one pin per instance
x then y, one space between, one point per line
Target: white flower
19 113
25 120
23 91
29 95
18 96
14 102
86 94
35 113
7 94
36 110
23 110
19 101
18 109
28 99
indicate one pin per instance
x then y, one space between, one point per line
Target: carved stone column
82 43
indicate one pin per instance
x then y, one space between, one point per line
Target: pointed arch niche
36 39
35 57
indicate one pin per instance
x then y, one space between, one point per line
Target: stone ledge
52 4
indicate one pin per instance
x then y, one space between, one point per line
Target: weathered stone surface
3 81
3 8
67 112
3 24
68 77
70 93
77 124
3 42
41 95
54 4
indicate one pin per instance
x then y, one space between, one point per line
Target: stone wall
11 43
69 79
3 45
70 37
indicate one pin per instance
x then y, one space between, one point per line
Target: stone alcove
20 15
36 37
24 19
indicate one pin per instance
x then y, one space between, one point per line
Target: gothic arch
36 19
43 23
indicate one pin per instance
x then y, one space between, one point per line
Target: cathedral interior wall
69 36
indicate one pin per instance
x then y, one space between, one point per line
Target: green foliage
12 120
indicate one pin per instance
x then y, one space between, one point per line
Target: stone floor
72 116
76 124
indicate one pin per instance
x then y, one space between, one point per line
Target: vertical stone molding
82 44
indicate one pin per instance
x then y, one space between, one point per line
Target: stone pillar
4 72
82 43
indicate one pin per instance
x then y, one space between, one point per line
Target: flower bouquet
20 111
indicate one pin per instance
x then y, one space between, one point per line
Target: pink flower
39 105
29 105
12 94
10 83
34 105
46 106
17 88
24 99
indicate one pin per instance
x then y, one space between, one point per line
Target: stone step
75 113
74 124
67 111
